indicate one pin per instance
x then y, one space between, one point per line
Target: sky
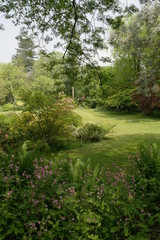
8 43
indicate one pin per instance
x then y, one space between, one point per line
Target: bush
53 124
8 135
121 100
91 132
8 107
147 104
148 161
43 124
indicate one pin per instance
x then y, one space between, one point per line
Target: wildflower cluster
64 200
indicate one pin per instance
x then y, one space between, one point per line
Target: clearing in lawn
130 130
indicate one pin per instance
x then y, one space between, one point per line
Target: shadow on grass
113 150
128 117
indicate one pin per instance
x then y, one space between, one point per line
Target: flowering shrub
52 124
5 140
70 200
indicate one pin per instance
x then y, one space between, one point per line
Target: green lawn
128 133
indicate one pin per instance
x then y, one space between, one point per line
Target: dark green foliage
148 161
148 184
41 199
25 54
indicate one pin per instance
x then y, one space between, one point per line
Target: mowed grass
129 132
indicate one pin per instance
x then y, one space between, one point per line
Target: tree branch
73 28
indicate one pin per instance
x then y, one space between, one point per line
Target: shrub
91 132
8 107
43 124
148 161
8 135
121 100
147 104
53 124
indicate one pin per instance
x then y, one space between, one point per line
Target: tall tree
12 78
137 41
137 46
79 24
25 53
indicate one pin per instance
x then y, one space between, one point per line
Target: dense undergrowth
48 199
44 198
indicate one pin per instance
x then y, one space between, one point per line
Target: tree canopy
80 26
137 43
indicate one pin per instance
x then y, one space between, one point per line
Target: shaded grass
130 130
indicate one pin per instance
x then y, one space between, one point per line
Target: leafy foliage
147 104
66 199
91 132
75 24
12 78
25 54
148 161
121 101
4 90
43 122
136 48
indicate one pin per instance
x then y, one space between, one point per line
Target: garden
48 194
80 134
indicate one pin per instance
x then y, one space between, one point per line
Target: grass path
128 133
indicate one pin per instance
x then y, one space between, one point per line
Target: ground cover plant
69 199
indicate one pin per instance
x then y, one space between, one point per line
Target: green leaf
114 229
10 231
24 217
2 236
126 231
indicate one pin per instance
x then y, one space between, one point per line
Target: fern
148 160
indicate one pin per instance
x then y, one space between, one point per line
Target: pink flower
133 180
9 193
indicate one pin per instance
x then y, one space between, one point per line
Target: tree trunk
73 92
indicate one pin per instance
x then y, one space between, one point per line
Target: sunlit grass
130 130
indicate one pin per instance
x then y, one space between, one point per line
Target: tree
25 54
47 75
12 78
80 25
4 90
136 43
138 40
